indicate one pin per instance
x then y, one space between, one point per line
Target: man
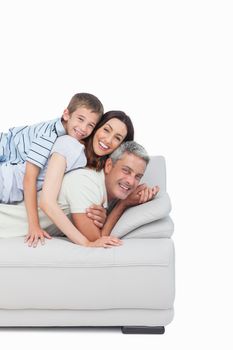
83 187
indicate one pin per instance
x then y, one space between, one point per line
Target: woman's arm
48 199
30 198
48 203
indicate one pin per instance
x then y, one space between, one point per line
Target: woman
114 128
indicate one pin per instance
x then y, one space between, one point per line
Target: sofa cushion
62 275
142 214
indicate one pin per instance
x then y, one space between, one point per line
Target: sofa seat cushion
62 275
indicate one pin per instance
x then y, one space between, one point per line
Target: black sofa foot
142 330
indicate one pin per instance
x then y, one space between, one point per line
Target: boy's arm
30 198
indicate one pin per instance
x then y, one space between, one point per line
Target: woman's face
109 136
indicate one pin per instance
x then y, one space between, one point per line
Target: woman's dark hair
97 162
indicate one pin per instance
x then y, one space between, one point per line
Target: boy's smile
80 123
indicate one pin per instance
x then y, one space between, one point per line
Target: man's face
80 123
123 177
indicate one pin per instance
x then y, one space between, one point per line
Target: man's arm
140 195
87 227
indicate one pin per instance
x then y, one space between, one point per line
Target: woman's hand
34 235
98 214
106 242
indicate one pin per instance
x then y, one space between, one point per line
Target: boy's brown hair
86 100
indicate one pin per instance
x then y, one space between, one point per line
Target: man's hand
147 194
34 235
98 214
140 195
106 242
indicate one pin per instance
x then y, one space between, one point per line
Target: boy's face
123 177
80 123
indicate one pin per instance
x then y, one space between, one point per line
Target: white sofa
66 285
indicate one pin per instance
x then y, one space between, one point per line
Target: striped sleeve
40 149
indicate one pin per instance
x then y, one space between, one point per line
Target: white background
168 64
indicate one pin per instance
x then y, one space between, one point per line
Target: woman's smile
108 137
103 145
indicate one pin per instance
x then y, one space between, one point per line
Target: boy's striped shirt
31 143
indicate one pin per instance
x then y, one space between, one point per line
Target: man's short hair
130 147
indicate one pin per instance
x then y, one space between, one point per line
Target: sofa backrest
156 173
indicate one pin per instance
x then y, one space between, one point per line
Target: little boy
33 144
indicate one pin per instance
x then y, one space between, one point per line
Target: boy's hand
34 235
98 214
